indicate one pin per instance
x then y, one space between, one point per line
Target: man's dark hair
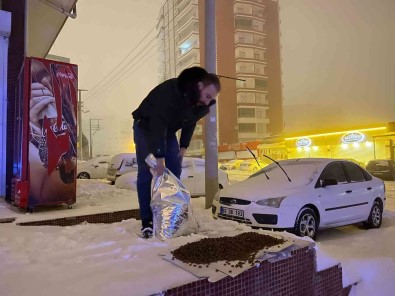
211 78
188 82
190 77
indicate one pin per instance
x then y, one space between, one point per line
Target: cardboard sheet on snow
216 271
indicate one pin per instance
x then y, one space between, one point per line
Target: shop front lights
315 148
368 144
306 148
355 145
299 149
344 146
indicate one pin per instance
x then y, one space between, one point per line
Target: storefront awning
45 20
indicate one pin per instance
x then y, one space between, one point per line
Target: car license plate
232 212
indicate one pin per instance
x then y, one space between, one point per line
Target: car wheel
306 223
375 216
83 175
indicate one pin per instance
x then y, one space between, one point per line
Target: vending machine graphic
45 154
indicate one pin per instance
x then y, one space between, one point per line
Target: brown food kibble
242 248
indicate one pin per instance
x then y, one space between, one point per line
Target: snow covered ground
111 259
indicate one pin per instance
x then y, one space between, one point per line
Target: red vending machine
45 150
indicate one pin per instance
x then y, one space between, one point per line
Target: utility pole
94 126
79 109
211 143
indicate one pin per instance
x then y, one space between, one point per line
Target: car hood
259 187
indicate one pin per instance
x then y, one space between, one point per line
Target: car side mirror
328 182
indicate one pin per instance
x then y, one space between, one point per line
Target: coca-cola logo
354 137
303 142
65 75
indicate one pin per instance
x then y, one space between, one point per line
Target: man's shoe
146 232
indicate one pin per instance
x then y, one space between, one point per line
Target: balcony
184 18
187 31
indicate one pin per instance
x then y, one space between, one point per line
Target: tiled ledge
295 276
110 217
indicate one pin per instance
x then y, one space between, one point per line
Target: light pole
210 143
79 109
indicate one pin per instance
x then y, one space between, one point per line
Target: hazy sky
334 53
340 54
104 34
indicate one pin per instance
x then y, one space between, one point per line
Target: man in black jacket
176 104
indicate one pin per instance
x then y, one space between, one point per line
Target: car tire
83 175
375 217
306 223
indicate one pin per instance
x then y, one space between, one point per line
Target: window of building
260 98
247 128
259 69
242 8
243 24
246 112
245 67
260 128
245 98
260 83
260 113
257 25
259 54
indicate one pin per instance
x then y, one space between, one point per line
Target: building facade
248 62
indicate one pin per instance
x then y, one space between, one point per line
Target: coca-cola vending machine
45 147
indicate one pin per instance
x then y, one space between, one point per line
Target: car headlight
271 202
216 196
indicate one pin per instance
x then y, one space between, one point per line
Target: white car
120 164
95 168
310 194
192 176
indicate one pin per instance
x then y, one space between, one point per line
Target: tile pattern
111 217
292 276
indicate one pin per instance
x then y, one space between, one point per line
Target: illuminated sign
303 142
353 137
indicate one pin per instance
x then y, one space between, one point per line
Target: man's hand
159 169
182 153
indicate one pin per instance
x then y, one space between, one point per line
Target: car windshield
300 172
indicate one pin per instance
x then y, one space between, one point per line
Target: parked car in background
382 168
233 164
310 194
95 168
192 176
252 165
120 164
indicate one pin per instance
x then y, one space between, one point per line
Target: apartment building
248 51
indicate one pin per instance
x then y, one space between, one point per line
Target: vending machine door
48 154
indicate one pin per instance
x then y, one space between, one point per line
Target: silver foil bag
171 205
